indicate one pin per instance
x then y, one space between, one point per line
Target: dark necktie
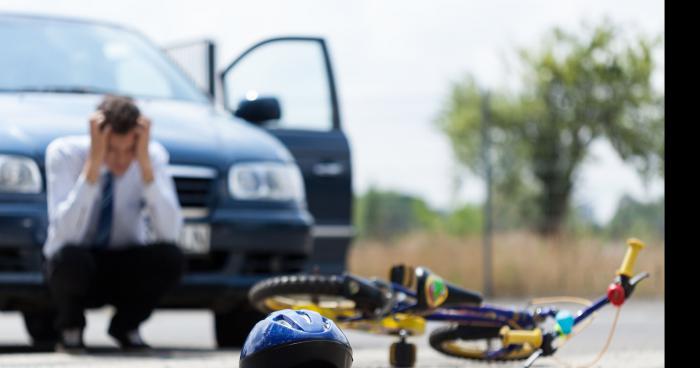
104 226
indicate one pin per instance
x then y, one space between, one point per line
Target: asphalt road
185 339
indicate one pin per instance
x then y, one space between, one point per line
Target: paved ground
185 339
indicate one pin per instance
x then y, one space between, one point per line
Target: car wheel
232 327
40 326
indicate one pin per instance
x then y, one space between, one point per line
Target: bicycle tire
446 340
295 287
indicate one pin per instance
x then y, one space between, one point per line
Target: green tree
575 89
383 215
465 220
580 221
386 214
638 219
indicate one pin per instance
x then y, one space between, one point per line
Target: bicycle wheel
331 295
473 342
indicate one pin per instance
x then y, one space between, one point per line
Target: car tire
232 327
40 326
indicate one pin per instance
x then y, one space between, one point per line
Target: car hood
193 133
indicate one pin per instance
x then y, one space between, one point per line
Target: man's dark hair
120 112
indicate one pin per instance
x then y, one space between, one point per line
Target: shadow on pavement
106 351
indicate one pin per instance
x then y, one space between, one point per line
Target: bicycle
415 295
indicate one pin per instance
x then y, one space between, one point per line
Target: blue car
259 158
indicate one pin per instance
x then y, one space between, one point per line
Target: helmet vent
284 323
305 315
287 322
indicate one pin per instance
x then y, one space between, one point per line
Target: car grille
194 185
193 192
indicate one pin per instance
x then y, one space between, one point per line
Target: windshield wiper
60 89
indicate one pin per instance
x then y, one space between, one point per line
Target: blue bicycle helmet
295 339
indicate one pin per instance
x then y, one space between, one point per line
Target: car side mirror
259 110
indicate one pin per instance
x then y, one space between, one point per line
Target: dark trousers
132 279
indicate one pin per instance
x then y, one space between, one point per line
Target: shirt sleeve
161 200
70 197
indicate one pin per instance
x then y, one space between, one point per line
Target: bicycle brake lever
639 277
532 358
629 284
546 349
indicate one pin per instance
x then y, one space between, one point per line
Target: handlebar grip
532 337
627 267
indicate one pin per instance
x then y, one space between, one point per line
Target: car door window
293 72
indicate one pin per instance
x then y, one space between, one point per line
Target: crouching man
114 217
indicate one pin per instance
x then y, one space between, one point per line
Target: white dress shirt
141 213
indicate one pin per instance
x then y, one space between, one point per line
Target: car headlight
266 181
19 175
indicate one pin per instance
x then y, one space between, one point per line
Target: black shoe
71 342
130 340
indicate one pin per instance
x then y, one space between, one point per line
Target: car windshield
45 55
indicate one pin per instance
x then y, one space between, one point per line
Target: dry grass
523 264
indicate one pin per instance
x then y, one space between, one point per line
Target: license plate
195 238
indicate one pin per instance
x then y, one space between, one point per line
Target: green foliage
466 220
383 215
576 89
581 222
638 219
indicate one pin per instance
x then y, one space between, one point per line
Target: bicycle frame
403 311
484 315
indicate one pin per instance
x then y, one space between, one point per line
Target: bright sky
394 61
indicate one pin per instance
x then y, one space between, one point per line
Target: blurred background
511 147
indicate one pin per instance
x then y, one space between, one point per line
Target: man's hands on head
99 141
143 137
99 137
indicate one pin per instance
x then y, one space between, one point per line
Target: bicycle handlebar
618 291
633 248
